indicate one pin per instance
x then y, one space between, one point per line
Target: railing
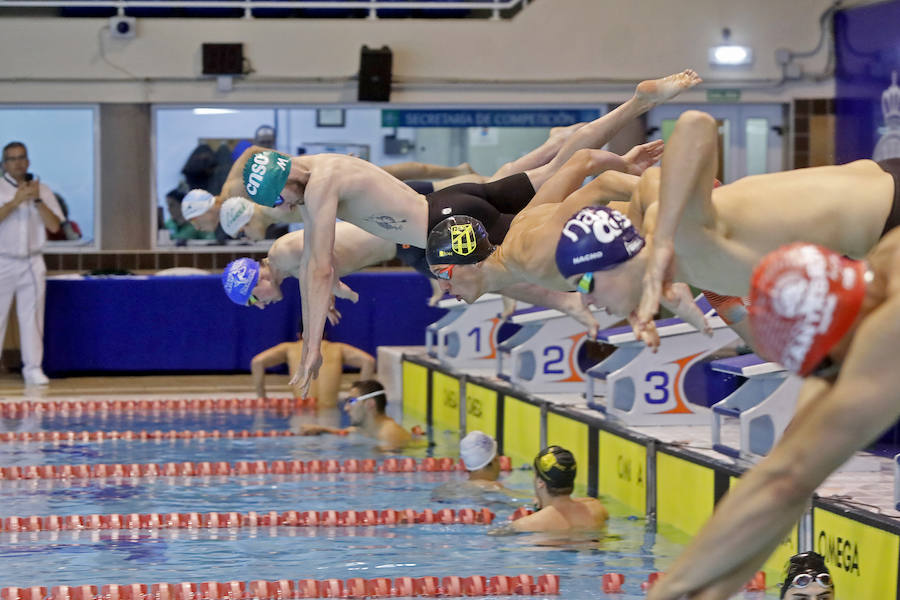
372 6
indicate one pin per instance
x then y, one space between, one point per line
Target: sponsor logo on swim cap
587 257
240 277
257 172
261 162
462 239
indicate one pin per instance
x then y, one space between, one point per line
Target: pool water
51 558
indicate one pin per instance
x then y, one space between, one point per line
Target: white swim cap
196 202
234 214
477 449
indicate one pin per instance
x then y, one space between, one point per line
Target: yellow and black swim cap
458 240
556 466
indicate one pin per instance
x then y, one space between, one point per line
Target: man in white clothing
27 209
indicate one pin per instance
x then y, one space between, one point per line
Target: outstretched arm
567 302
316 273
864 400
272 357
685 201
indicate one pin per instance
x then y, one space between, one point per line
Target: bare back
573 514
367 197
841 207
354 249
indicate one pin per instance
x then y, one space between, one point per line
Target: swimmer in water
554 480
366 408
807 578
478 452
325 387
835 321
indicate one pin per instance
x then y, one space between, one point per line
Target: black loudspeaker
375 74
223 59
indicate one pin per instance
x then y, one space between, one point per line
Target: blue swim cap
239 278
596 238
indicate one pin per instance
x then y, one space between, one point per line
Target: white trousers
25 280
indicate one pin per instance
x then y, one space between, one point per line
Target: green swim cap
265 175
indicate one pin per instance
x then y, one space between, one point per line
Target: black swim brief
892 167
495 204
423 187
415 258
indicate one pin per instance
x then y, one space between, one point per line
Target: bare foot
657 91
644 156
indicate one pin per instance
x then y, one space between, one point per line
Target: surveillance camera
122 27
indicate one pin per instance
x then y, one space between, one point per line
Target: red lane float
233 520
82 407
222 468
612 583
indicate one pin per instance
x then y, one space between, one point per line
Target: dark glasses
804 579
585 285
444 273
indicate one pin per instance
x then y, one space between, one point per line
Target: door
750 135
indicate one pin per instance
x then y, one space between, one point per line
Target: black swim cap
458 240
556 466
805 562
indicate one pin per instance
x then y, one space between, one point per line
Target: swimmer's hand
309 370
334 315
659 274
677 298
509 307
342 290
642 157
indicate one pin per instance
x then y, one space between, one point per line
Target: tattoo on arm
386 221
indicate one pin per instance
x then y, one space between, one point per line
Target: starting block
543 355
764 405
466 337
669 387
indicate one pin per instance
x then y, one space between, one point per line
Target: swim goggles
252 300
804 579
279 201
585 285
444 273
355 399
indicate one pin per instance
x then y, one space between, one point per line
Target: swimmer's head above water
555 468
803 299
265 176
807 577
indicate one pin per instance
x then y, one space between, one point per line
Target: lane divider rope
79 407
357 587
234 520
224 468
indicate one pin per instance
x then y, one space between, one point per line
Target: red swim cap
803 299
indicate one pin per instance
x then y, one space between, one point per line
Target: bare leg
597 133
646 192
541 155
417 170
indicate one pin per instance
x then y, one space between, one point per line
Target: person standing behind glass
27 209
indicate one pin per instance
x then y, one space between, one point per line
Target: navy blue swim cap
596 238
239 278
